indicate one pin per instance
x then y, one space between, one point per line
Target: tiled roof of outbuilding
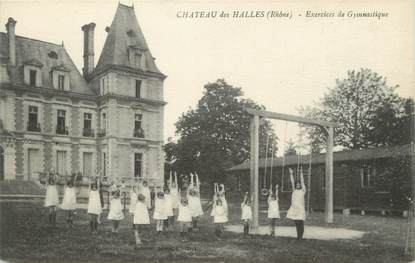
343 156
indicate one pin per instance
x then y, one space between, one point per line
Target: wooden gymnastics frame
254 157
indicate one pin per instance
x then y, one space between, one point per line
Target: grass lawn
25 235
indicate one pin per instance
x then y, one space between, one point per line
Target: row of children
186 204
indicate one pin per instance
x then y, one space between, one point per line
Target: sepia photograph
207 131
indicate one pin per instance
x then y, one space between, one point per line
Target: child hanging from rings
141 218
246 214
51 197
273 209
296 212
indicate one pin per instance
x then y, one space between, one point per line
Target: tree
215 135
290 148
367 111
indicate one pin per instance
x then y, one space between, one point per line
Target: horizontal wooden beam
287 117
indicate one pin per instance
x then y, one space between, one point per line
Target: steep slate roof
124 32
343 156
31 51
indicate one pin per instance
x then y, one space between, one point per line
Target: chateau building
108 119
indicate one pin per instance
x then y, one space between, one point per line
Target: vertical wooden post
329 177
254 152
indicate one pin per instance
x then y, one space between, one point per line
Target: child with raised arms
193 198
51 197
159 211
246 214
296 211
184 217
273 209
94 204
116 213
69 199
140 218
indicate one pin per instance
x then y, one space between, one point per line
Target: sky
278 62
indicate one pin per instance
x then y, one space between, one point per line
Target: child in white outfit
273 209
160 211
116 213
140 217
246 214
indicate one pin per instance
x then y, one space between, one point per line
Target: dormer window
137 60
60 78
32 72
61 82
138 88
32 77
136 56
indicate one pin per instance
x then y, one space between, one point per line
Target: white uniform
195 205
184 214
160 209
220 214
133 201
297 208
51 198
273 209
141 214
246 212
144 190
94 203
174 193
168 205
69 199
115 212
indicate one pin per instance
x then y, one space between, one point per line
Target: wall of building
392 180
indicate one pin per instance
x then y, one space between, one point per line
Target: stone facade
109 119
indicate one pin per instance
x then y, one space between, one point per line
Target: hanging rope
264 185
309 184
283 157
272 163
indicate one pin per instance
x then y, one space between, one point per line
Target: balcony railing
34 127
62 130
101 133
138 133
86 132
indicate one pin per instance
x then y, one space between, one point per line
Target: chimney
88 48
10 27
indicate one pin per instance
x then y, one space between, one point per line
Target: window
61 82
87 164
102 86
137 164
87 120
61 127
137 123
32 77
367 174
138 88
103 129
138 130
104 164
137 60
88 125
61 162
32 124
